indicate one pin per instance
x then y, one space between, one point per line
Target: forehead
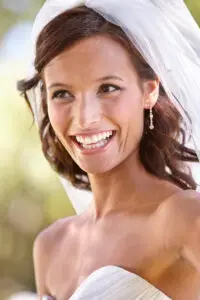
91 56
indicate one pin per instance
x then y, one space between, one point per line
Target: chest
133 248
138 247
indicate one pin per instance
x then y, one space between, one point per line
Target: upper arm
40 260
191 249
44 248
191 246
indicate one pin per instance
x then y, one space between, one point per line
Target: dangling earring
56 140
151 126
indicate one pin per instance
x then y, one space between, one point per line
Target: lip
94 150
91 133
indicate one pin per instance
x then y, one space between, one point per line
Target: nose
88 112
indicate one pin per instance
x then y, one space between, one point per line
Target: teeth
105 135
93 139
97 145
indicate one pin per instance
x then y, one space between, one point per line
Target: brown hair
162 150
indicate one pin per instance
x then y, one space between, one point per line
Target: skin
156 222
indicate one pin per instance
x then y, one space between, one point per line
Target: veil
166 35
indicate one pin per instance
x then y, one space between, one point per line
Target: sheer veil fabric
166 35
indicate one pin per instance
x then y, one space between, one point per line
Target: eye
61 94
109 88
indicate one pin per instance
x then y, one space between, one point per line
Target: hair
162 151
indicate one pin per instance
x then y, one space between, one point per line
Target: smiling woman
94 104
113 121
103 50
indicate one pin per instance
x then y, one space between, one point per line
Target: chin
96 167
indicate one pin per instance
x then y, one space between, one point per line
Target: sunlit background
31 195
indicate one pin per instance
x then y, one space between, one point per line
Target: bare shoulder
52 234
184 203
185 208
44 247
178 214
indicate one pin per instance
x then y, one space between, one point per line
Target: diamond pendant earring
151 126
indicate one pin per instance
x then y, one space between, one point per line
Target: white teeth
105 135
88 140
94 138
97 145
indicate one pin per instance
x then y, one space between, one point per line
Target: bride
115 94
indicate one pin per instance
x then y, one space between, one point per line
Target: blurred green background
31 195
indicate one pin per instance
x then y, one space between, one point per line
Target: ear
151 93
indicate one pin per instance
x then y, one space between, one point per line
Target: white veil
166 35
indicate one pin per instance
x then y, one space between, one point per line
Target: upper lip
90 133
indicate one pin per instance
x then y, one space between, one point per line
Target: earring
56 140
151 126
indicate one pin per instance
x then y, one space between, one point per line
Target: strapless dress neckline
115 283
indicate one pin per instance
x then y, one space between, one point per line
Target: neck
119 190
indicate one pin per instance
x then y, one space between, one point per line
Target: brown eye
61 94
109 88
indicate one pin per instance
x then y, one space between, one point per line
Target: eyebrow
108 77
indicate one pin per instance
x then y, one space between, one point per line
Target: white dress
115 283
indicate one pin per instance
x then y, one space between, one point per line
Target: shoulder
51 235
188 206
45 246
183 204
178 214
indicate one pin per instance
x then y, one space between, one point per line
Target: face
95 103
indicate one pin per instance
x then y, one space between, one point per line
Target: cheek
57 117
130 108
131 117
59 121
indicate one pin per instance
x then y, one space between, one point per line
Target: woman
114 119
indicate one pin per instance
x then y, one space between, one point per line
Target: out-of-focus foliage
12 11
194 6
31 196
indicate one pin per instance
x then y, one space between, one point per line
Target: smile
93 142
